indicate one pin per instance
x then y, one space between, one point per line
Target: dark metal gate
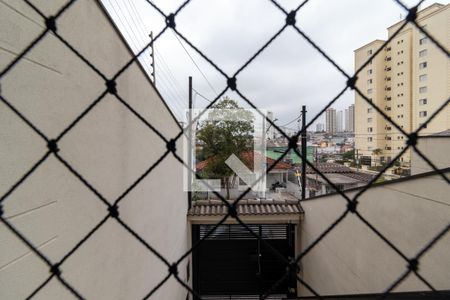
232 262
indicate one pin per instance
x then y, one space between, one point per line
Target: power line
296 119
210 101
171 83
193 61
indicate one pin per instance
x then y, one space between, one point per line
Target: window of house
369 129
423 77
423 113
423 65
423 53
423 101
423 89
423 41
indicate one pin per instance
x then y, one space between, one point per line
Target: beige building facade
408 80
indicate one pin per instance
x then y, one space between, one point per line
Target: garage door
232 263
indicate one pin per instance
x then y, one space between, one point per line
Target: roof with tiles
248 158
246 207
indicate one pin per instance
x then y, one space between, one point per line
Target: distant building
339 121
350 119
408 80
331 121
319 127
271 131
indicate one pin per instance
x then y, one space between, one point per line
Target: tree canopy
227 129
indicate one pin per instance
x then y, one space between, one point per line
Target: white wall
109 147
352 259
436 149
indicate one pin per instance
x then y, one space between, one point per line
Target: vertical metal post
153 57
189 128
304 154
356 158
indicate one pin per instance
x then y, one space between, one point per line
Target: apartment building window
369 139
387 78
369 91
369 120
422 113
369 81
388 49
369 72
388 58
369 129
387 108
423 41
423 101
388 138
423 77
387 68
388 88
388 98
370 110
423 89
369 148
423 53
424 126
423 65
369 52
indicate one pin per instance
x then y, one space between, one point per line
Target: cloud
289 73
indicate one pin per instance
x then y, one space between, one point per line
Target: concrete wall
352 259
437 149
109 147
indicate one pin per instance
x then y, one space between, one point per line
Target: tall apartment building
350 119
408 80
319 127
330 121
339 121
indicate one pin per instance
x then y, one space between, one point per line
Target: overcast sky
288 74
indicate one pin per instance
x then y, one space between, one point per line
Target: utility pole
304 154
153 57
190 126
356 158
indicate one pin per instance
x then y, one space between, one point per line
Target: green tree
348 155
227 130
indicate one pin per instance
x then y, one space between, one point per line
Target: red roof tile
248 159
